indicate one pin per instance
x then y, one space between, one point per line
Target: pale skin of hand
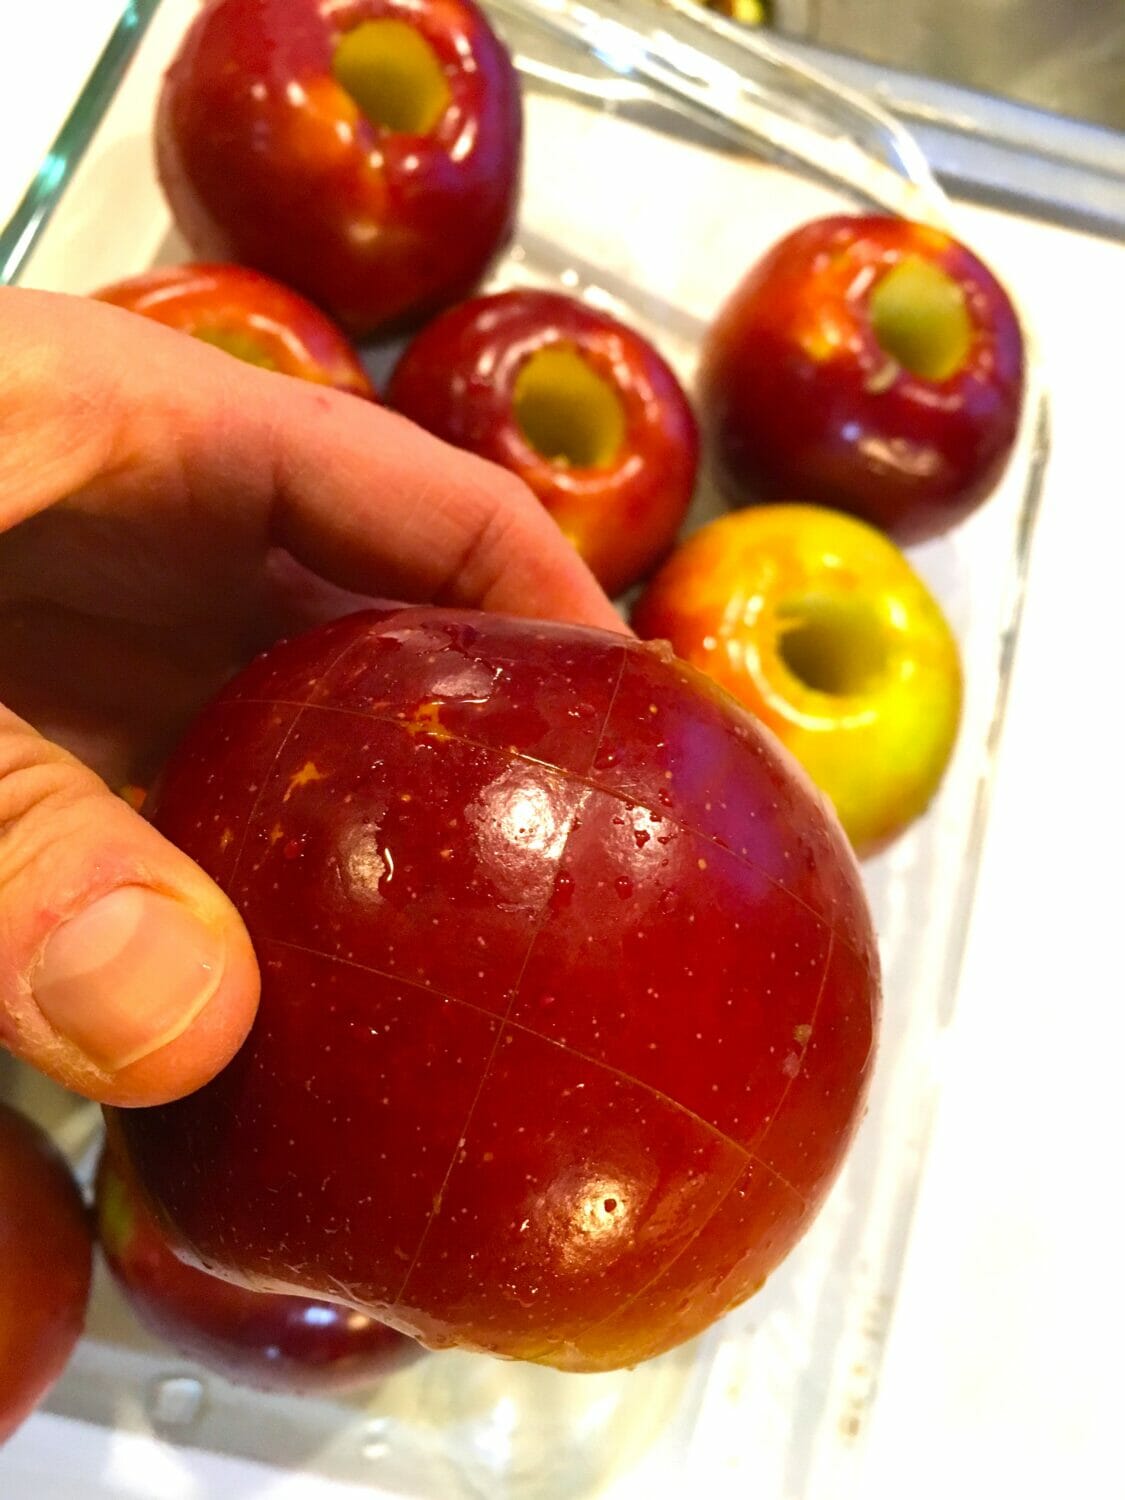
166 512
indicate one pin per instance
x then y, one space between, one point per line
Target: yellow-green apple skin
821 627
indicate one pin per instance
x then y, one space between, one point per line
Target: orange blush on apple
250 316
869 364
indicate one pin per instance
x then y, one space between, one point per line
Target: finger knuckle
44 797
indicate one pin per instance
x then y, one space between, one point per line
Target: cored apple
583 409
365 152
819 625
869 364
569 987
271 1342
248 315
45 1255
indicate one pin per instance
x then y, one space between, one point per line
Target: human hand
165 512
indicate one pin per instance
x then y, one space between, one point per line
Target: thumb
125 973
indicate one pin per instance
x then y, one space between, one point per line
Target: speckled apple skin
569 998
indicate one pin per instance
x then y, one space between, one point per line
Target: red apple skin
45 1258
266 160
569 988
279 329
457 377
271 1342
801 402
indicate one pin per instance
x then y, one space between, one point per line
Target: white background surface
1003 1366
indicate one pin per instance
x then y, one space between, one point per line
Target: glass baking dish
663 155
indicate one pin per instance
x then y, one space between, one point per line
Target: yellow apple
821 627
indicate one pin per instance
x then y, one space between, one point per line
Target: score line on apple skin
567 1075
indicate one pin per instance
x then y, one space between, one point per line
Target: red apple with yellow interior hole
569 988
250 316
366 153
581 407
45 1259
870 364
820 626
270 1342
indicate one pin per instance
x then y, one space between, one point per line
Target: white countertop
1001 1369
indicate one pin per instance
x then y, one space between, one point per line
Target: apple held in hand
869 364
583 409
45 1254
249 315
820 626
271 1342
569 988
367 153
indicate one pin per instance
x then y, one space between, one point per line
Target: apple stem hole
566 411
393 74
920 320
832 645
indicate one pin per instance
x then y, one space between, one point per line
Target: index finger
355 492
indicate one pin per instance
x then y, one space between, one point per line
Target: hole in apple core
919 318
566 411
832 645
239 342
393 75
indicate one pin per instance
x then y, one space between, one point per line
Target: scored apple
366 153
569 988
869 364
45 1262
583 409
260 1339
250 316
819 625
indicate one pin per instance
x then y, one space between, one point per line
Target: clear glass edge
19 235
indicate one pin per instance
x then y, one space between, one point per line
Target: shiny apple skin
801 402
569 987
285 331
268 1341
45 1260
457 376
266 160
879 754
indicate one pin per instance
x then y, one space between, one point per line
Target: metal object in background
1067 56
1014 156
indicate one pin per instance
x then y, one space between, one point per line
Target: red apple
272 1342
366 152
45 1254
869 364
569 987
250 316
819 625
583 409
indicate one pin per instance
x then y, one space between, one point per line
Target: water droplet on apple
563 891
